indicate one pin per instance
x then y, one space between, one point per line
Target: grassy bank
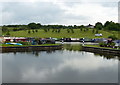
63 33
100 47
7 45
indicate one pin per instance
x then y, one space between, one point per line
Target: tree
106 23
82 26
93 31
84 30
99 26
36 30
8 33
45 29
29 31
113 37
72 30
33 31
4 29
15 29
53 30
58 30
39 25
96 31
34 25
87 29
112 26
75 26
68 30
81 29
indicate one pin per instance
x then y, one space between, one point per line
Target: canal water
68 65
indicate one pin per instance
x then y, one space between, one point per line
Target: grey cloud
45 13
38 12
109 4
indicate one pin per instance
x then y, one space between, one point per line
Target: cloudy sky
66 12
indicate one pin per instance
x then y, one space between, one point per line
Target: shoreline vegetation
101 50
29 48
42 45
47 45
97 46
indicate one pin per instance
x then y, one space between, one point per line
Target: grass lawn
77 34
7 45
100 47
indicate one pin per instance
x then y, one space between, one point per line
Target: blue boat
14 43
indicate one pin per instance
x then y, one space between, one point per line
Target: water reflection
59 66
78 47
73 47
107 56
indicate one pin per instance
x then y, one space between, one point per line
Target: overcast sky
66 12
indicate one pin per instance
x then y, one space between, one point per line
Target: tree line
108 25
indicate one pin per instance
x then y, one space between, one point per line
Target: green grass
46 45
77 34
99 46
7 45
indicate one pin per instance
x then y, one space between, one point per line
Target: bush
29 31
102 44
8 33
96 31
7 41
36 30
107 45
24 43
15 29
111 44
113 37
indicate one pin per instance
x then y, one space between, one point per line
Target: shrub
8 33
24 43
102 44
107 45
96 31
113 37
36 30
111 44
29 31
7 41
